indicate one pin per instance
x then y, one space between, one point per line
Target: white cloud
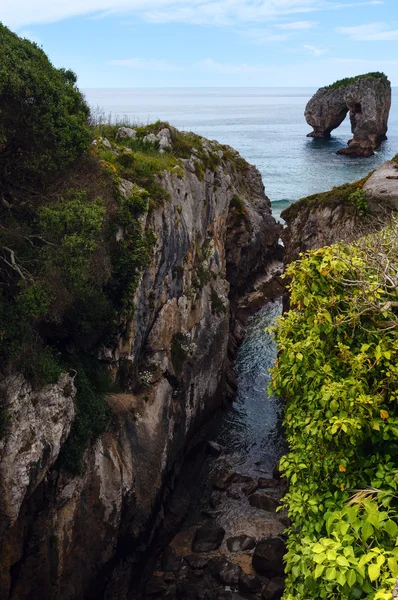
297 25
22 13
314 50
261 36
370 32
147 64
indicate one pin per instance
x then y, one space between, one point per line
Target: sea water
266 125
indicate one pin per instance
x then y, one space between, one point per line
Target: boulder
264 483
240 543
126 132
224 571
368 100
274 589
171 562
207 538
215 449
196 561
151 138
215 499
268 557
249 488
156 587
263 501
249 584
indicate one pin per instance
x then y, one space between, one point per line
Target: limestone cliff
343 213
84 536
367 98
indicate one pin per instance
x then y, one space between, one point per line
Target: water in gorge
266 125
251 433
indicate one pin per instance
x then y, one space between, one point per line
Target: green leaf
366 531
351 577
373 572
391 527
318 571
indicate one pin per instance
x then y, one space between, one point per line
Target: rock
126 132
233 494
224 571
39 422
207 538
164 137
263 501
215 449
274 589
171 563
239 478
124 490
156 587
249 488
105 142
212 514
240 543
215 499
268 557
264 483
222 479
367 98
249 584
151 138
382 186
196 562
193 590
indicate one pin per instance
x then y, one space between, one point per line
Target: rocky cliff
85 535
343 213
367 98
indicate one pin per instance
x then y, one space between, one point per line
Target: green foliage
359 199
238 209
349 80
338 372
43 116
73 226
93 415
179 352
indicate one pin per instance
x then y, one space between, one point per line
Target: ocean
266 125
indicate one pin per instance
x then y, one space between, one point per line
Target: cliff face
326 218
368 101
70 537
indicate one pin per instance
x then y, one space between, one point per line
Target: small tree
43 117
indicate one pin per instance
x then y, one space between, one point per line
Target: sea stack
368 100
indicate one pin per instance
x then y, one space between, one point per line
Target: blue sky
150 43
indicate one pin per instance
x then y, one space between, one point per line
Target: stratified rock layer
86 536
368 101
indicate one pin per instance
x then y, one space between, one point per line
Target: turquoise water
266 125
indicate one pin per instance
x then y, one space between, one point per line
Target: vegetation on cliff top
350 80
342 195
337 370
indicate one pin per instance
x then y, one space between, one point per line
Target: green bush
43 116
337 369
349 80
93 415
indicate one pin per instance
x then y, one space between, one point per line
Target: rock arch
367 98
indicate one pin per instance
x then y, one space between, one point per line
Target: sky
211 43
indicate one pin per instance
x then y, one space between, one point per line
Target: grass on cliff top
337 196
349 80
184 145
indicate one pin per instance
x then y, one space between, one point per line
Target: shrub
337 370
43 116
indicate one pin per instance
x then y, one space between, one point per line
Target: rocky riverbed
231 544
